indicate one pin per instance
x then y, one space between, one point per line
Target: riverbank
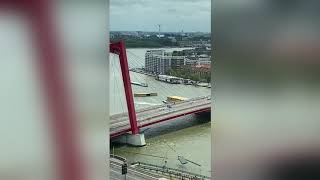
180 80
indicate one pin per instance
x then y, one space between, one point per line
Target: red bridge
133 120
119 124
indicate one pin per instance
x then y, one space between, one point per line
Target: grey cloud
174 15
172 10
123 3
150 2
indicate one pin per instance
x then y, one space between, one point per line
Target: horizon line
158 32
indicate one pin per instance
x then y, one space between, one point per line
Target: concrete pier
132 139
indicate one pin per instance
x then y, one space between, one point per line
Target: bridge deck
147 116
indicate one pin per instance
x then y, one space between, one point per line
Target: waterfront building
157 61
160 61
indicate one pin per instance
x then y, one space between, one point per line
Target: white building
157 61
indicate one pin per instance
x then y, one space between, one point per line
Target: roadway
151 115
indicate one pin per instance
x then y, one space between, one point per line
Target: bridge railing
173 171
122 123
158 115
146 118
165 105
125 114
118 157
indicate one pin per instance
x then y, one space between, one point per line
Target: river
187 136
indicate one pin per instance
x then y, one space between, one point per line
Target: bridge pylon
135 138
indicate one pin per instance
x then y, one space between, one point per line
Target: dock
145 94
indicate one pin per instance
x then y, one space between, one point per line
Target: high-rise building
157 61
160 62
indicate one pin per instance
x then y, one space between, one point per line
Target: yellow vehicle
175 99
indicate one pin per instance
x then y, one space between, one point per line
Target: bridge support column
136 139
120 49
132 139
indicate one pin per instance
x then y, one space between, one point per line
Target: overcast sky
173 15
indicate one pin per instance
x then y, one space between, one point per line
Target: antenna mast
159 25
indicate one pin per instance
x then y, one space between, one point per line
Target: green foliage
146 42
186 73
154 42
203 38
178 53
